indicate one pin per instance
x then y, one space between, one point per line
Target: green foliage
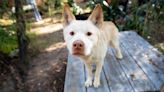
3 5
74 10
8 40
141 18
53 3
147 19
57 4
4 8
48 6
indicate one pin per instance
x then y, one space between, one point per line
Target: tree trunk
21 37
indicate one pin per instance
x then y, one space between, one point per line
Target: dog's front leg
99 65
88 82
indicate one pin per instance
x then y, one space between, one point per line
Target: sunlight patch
6 22
55 46
48 29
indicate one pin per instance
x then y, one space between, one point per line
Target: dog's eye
89 33
71 33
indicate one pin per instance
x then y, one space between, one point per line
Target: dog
89 40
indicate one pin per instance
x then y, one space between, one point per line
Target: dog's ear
97 16
68 17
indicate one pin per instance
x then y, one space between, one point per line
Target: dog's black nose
78 44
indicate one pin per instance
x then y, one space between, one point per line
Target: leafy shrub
8 40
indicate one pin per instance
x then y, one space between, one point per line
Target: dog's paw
96 83
88 83
119 56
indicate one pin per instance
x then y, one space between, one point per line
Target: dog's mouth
78 53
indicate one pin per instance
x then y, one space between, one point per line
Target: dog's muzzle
78 47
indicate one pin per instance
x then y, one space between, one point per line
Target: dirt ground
47 72
10 79
48 66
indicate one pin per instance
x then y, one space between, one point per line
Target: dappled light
6 22
46 37
47 29
55 46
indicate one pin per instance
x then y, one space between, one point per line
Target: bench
141 69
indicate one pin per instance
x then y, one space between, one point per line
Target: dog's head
82 35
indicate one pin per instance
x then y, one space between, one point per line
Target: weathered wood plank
103 87
75 77
137 78
137 51
115 76
155 57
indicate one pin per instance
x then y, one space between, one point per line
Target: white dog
89 40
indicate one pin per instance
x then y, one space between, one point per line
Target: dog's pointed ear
68 17
97 16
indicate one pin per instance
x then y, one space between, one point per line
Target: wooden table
141 69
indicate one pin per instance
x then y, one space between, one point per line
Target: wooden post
21 37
